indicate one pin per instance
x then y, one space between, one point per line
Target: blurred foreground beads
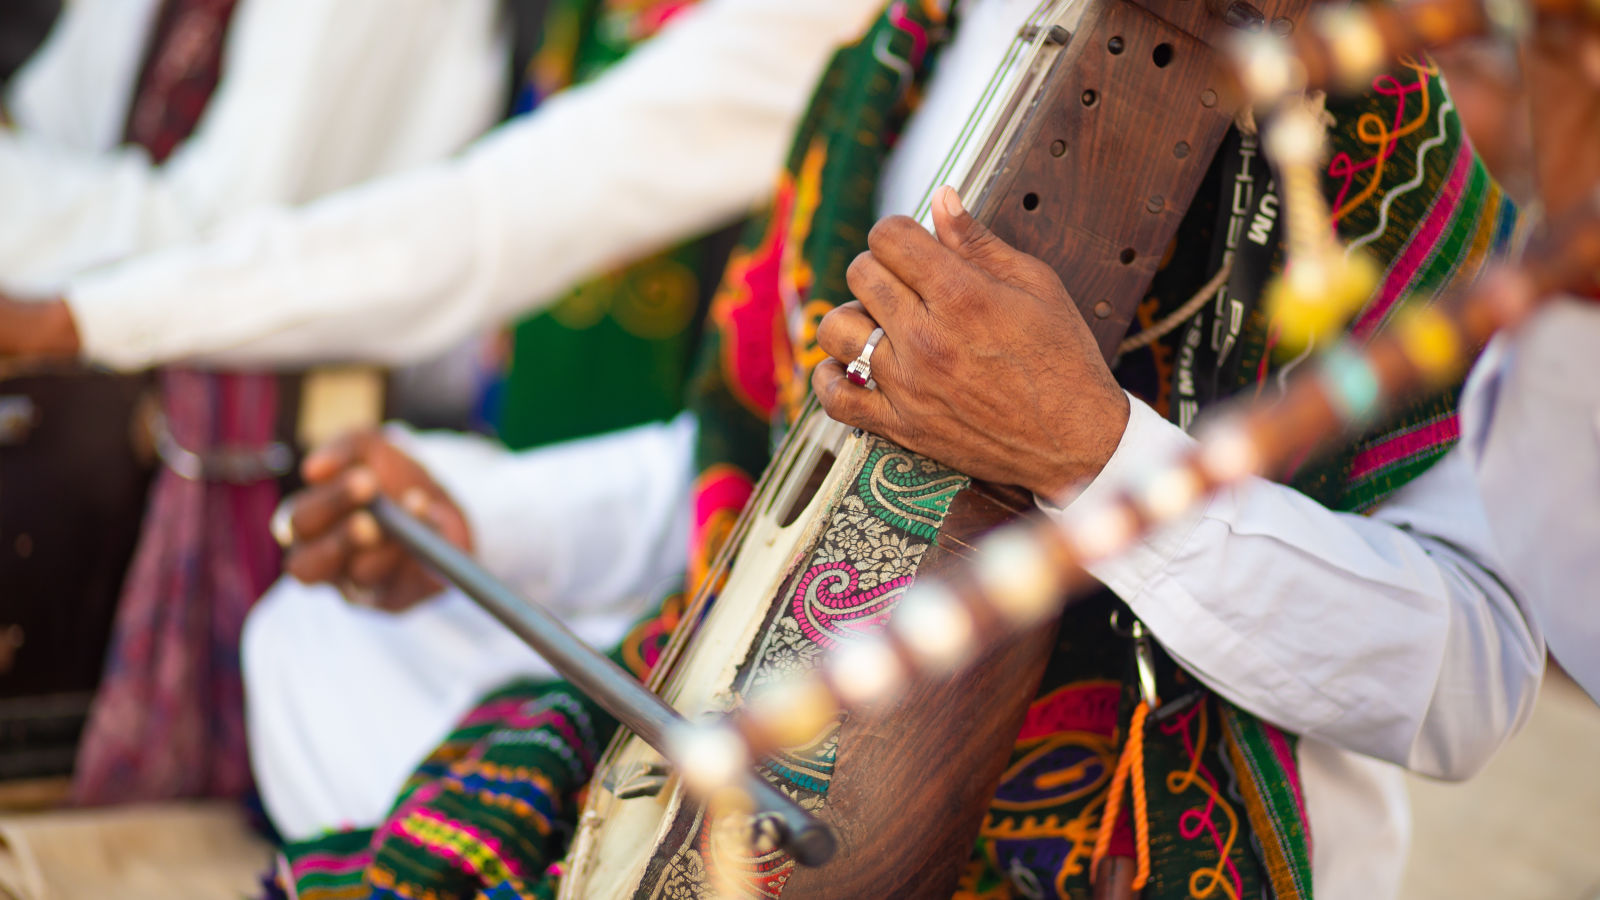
935 626
1430 341
1101 531
1227 454
1322 285
1168 492
1355 43
1350 383
1317 295
791 711
865 670
1266 68
712 757
1017 575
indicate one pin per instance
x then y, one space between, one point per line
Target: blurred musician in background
136 126
23 24
408 266
1531 411
1384 637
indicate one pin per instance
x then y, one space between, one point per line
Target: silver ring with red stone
860 371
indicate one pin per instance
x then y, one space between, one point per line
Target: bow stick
777 818
1026 573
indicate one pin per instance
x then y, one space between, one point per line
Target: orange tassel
1129 763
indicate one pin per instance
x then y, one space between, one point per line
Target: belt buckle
18 417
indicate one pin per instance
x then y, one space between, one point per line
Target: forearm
308 102
590 525
684 134
1389 635
66 211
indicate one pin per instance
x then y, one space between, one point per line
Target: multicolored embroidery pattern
1408 190
487 812
894 489
1226 814
789 270
850 578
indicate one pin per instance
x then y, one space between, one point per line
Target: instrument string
1027 572
1004 70
1030 35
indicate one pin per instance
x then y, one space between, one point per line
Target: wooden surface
1098 195
196 851
913 781
1115 155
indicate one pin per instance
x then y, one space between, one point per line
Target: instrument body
1089 167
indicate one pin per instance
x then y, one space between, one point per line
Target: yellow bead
1430 341
792 712
1355 42
1315 297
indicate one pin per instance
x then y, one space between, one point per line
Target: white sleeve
1388 635
1531 423
315 95
685 133
584 527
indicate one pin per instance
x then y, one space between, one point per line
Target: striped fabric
1408 190
1225 805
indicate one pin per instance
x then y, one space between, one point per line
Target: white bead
1017 576
935 626
711 757
1266 68
1227 454
1296 136
1103 531
866 670
1168 493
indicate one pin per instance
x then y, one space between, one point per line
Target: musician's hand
985 363
337 541
37 331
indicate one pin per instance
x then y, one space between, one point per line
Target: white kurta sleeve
1531 423
685 133
315 95
1389 635
586 527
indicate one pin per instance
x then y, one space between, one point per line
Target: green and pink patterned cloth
485 818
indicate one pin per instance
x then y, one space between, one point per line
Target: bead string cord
1025 574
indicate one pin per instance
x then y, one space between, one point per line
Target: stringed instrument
1111 124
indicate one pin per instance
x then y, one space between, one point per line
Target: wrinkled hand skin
338 542
985 364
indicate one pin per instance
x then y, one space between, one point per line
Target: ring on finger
281 525
860 370
357 595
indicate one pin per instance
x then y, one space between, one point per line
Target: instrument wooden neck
1114 146
1090 168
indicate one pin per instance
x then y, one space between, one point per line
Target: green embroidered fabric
1226 812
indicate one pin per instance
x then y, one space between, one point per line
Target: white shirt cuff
1148 443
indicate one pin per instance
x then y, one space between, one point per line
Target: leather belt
226 465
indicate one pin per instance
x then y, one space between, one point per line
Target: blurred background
1527 828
